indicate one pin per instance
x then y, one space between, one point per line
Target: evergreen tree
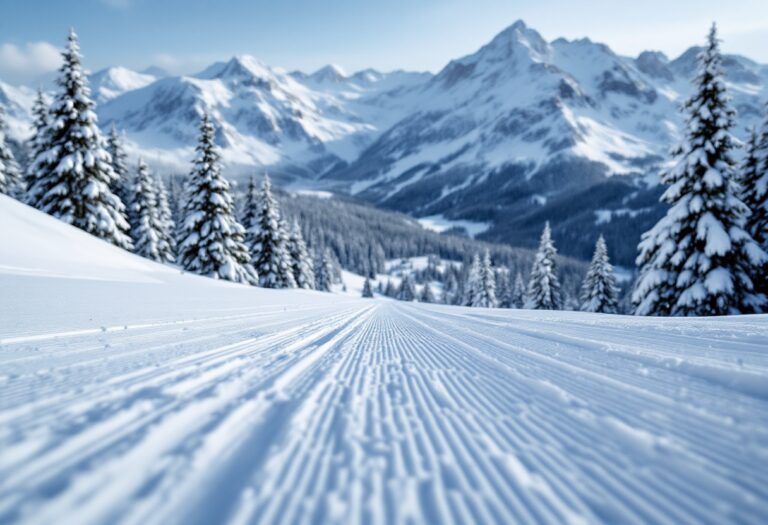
324 272
167 229
406 292
211 241
122 185
450 289
544 286
485 292
251 206
697 260
503 290
390 291
267 241
518 292
72 174
599 292
472 284
301 263
148 230
426 294
367 291
37 143
754 193
11 182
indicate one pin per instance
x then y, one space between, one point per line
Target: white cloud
21 63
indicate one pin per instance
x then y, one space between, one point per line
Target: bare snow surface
132 393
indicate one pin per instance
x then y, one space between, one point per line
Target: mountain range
519 132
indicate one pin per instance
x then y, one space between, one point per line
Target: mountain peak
519 34
329 73
111 82
237 66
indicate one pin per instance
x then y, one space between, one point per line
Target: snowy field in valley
133 393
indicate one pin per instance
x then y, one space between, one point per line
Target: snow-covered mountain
522 130
112 82
294 124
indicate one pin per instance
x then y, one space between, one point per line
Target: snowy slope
179 399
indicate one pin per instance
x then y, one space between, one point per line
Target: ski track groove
381 412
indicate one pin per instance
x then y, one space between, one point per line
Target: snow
439 223
605 216
145 395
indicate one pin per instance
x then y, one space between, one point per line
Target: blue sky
184 36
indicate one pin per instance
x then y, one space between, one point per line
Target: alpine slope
133 393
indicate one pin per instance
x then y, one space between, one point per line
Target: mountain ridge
511 134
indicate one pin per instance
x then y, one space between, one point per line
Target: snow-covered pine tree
485 294
518 292
544 286
503 292
390 290
427 296
250 211
122 185
324 271
301 262
406 292
11 181
211 241
754 193
599 292
450 289
38 142
367 291
73 175
267 242
472 284
697 260
147 229
167 224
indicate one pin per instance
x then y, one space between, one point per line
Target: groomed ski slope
149 396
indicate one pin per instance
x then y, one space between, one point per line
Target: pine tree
518 292
754 194
122 185
148 229
37 143
367 291
301 263
485 293
544 285
72 174
472 284
503 291
251 206
599 292
324 272
406 292
697 260
390 290
267 242
426 294
450 289
167 224
211 241
11 182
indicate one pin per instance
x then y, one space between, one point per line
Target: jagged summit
329 73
